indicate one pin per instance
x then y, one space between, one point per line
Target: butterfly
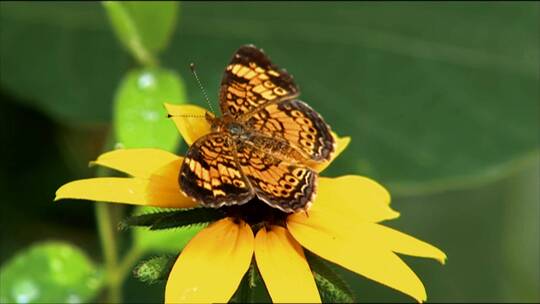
263 145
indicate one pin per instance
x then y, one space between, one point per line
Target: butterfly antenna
192 67
186 115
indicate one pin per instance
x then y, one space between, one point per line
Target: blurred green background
442 101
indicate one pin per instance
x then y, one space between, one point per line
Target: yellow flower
343 226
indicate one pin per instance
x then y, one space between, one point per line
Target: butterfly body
263 145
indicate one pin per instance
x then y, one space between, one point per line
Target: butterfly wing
283 185
211 175
251 80
298 124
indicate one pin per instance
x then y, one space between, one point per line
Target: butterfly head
227 124
215 122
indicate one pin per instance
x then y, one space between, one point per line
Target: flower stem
107 229
109 249
128 262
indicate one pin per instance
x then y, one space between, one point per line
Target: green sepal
174 219
332 288
251 288
155 269
244 293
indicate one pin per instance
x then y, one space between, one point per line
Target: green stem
128 33
107 217
128 262
109 249
107 228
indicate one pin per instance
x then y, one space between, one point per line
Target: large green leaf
143 27
60 58
434 95
140 118
50 272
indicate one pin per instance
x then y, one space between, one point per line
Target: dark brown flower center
257 214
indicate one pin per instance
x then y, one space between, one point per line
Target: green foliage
521 234
140 118
329 292
174 219
252 288
68 63
332 287
169 241
423 101
431 104
155 269
49 272
144 28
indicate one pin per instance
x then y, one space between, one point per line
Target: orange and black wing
251 80
210 173
283 185
298 124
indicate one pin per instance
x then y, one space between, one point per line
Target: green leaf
430 104
168 241
332 287
174 219
329 292
68 64
244 292
155 269
520 234
144 28
49 272
140 117
251 288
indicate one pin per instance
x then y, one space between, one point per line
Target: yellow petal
211 266
189 120
356 198
341 144
342 247
334 209
136 162
400 242
137 191
284 268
